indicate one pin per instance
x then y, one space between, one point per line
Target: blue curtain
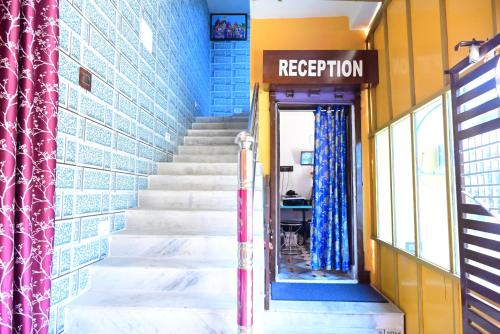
329 230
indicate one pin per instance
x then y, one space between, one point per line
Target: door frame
363 276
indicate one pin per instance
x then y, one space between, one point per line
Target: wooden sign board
320 67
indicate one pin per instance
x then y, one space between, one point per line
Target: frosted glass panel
382 163
431 185
402 175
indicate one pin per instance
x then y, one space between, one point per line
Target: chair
289 230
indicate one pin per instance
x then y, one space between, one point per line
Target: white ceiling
229 6
359 13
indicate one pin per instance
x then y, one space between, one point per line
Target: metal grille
476 129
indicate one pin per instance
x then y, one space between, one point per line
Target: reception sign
321 67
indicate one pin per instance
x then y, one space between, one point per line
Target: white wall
296 135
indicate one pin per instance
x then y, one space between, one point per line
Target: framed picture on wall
228 27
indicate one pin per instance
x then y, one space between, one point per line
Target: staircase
173 270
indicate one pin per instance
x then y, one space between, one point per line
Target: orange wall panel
467 19
382 113
437 301
398 54
388 272
457 304
427 48
408 292
365 147
497 18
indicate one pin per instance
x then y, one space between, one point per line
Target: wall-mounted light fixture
473 45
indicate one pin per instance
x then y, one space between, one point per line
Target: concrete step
221 119
195 247
143 312
342 315
213 133
191 168
193 199
159 274
139 312
196 168
210 140
208 150
229 125
186 247
271 329
195 182
206 158
187 222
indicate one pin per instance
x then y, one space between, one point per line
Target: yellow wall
415 39
293 34
399 64
429 297
306 34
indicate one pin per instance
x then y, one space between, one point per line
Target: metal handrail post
245 232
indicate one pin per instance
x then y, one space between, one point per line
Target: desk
302 208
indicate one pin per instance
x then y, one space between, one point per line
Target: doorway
292 112
296 152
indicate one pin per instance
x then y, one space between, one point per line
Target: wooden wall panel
388 272
437 301
427 48
408 292
382 113
399 58
496 3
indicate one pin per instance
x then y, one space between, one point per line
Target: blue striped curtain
329 231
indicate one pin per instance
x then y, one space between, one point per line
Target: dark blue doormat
325 292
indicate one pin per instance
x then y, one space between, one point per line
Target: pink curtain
28 104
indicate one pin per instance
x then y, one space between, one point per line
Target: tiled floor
298 267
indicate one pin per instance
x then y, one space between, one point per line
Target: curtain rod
314 109
318 104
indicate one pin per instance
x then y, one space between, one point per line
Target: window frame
450 184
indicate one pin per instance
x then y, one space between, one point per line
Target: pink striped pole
245 233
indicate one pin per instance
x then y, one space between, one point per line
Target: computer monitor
307 158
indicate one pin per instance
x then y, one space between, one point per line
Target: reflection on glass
382 165
453 189
402 175
481 170
431 184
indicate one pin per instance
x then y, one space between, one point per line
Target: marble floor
298 267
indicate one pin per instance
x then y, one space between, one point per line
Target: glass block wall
110 139
229 77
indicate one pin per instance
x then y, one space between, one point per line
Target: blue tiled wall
229 77
110 139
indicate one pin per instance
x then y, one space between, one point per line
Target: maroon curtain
28 104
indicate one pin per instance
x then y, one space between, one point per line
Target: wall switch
286 169
85 79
